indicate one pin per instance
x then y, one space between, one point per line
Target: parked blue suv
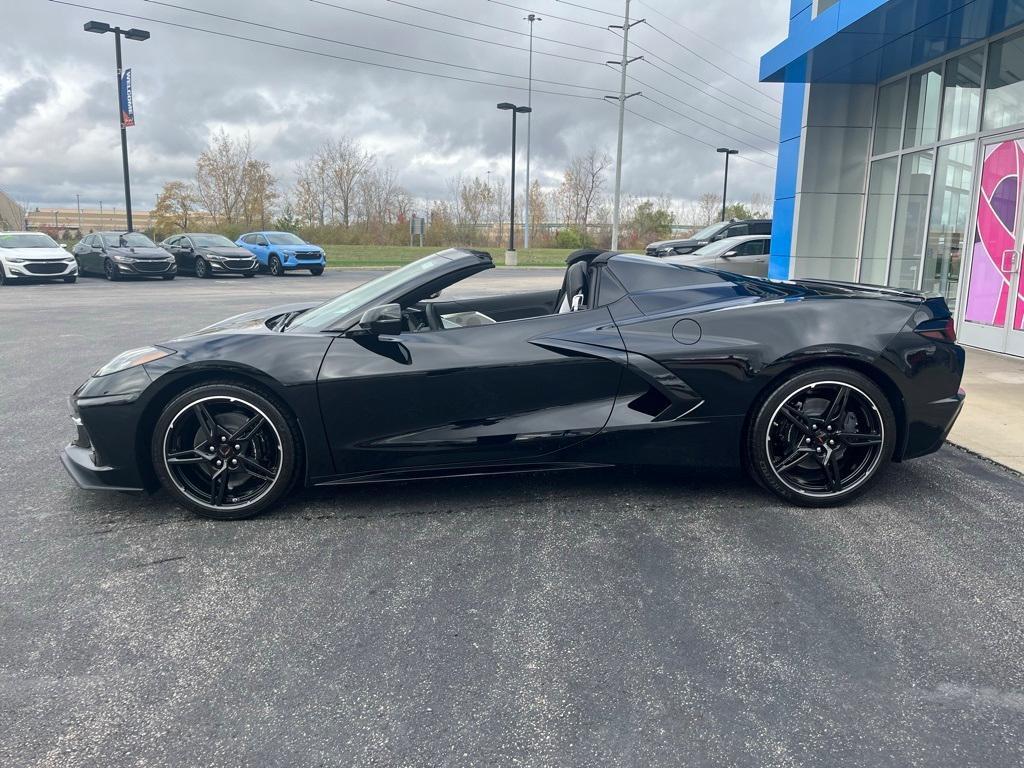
282 251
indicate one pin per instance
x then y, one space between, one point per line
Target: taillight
939 329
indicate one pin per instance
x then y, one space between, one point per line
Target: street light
510 255
529 122
101 28
725 188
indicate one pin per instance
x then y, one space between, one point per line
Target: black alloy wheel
276 268
226 451
202 268
110 271
821 436
316 271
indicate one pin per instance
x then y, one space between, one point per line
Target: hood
303 247
671 243
223 250
140 252
254 320
36 254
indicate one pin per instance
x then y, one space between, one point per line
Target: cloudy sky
58 109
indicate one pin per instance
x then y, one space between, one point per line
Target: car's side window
761 228
738 230
261 240
185 242
173 242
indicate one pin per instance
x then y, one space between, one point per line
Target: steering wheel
433 316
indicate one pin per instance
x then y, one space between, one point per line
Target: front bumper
295 262
41 269
234 266
147 268
81 465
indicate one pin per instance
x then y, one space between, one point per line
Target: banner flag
127 105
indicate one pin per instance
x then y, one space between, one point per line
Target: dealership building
901 154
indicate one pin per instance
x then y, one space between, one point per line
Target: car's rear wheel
202 268
226 451
820 437
316 271
110 271
275 266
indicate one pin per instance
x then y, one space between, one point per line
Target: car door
516 391
748 258
91 257
260 248
186 254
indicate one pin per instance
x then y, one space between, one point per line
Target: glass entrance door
994 312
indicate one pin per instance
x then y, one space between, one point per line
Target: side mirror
64 246
730 253
385 320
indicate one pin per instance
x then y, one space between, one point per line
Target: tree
233 186
175 207
347 163
708 209
260 194
647 221
580 191
314 190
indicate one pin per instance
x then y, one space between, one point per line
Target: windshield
33 240
284 238
212 241
707 232
130 239
327 314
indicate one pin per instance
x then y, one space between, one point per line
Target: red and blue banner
127 105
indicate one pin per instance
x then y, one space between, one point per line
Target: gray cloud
58 130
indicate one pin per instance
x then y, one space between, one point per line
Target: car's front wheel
70 278
226 451
820 437
316 271
275 266
202 268
110 271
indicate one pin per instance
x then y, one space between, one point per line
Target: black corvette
812 386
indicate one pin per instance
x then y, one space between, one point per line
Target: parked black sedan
206 255
119 254
813 386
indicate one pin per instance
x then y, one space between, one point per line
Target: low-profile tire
70 278
819 438
110 271
252 436
316 271
202 268
275 266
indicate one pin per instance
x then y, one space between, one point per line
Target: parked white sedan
25 255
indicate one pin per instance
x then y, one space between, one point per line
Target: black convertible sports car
813 386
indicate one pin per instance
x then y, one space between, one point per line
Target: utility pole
621 98
725 186
529 119
78 204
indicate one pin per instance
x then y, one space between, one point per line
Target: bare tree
260 194
581 187
314 190
220 176
708 209
175 207
348 162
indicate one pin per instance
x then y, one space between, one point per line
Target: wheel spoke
191 456
832 473
219 486
794 416
248 429
257 470
858 440
207 421
838 406
793 459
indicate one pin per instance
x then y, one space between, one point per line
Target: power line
709 62
500 29
694 138
589 8
695 33
548 15
723 133
452 34
296 49
365 47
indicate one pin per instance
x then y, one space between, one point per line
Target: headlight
132 358
123 259
16 260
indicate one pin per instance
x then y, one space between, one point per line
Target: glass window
923 107
824 5
212 241
962 95
951 206
1004 83
878 220
911 218
737 230
27 240
889 120
284 238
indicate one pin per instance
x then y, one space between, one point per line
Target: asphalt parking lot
627 617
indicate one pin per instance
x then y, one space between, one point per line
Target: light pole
510 255
529 121
101 28
725 187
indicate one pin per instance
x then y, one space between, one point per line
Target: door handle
1013 264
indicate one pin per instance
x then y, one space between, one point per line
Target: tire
70 278
819 438
187 466
275 266
168 277
202 269
316 271
249 274
110 271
